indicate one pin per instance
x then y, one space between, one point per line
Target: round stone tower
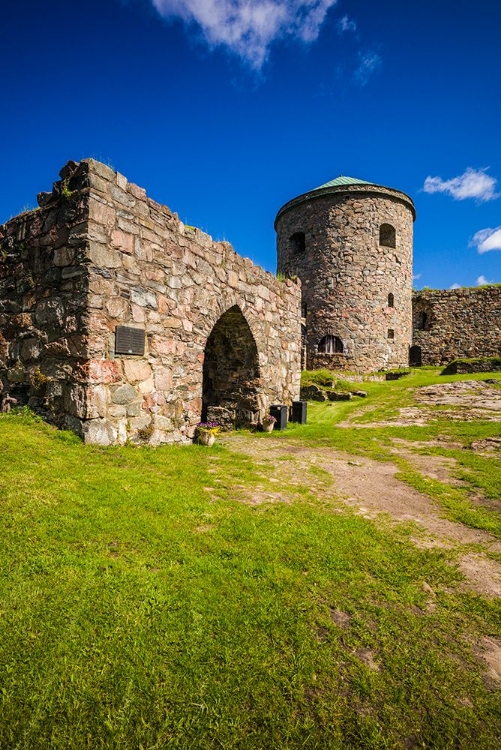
350 243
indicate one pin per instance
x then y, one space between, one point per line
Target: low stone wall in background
463 366
457 323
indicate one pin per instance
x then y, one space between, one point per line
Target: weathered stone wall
43 305
347 275
454 323
149 270
102 254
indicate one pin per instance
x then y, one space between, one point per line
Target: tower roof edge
343 184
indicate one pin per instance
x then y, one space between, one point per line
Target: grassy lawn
143 605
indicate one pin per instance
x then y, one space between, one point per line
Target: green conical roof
342 180
344 184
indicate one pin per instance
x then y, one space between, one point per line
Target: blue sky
226 109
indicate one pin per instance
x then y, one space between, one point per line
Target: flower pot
206 438
269 427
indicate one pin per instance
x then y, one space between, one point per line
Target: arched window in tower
391 300
297 243
422 321
330 345
387 235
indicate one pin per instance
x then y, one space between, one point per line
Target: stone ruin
119 322
450 324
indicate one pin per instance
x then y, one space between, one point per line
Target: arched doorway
231 377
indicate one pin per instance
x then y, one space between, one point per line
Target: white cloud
455 286
249 27
416 276
487 239
482 281
344 24
473 183
370 62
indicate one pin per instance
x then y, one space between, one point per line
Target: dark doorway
231 378
415 359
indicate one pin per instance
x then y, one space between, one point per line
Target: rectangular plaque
129 340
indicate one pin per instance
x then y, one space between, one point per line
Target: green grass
144 605
480 474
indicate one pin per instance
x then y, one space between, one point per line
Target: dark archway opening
231 377
415 358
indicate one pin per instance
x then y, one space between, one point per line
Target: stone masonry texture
97 254
454 323
347 273
223 339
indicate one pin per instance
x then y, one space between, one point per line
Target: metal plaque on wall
129 340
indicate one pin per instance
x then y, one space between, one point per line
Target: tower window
304 309
297 243
391 333
422 321
391 300
387 235
330 345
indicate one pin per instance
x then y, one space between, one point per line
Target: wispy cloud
473 183
416 276
346 24
249 27
482 281
487 239
455 286
369 63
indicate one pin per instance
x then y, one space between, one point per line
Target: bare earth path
371 488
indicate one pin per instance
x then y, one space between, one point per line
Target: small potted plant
268 422
206 432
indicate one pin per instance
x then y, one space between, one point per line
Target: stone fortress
119 322
350 244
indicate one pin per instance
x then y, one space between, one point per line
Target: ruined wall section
150 271
453 323
43 303
347 275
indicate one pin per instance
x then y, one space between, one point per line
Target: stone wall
455 323
347 273
117 258
43 307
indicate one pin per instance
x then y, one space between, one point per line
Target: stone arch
218 306
231 372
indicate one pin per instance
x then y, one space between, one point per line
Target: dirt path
371 488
